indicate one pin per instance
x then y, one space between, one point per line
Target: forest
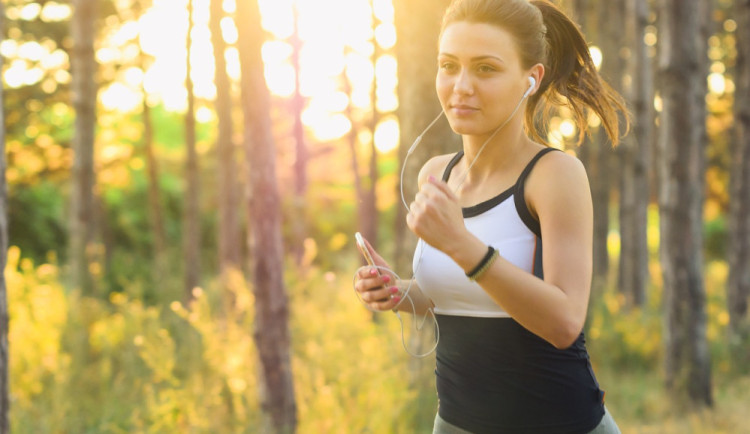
181 181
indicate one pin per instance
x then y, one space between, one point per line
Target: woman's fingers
377 289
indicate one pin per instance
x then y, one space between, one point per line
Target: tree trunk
83 72
272 312
738 284
191 232
154 193
416 54
600 156
682 140
229 228
4 354
369 220
301 155
634 161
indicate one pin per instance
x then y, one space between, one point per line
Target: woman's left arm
558 193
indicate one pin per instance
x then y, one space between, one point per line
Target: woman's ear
536 73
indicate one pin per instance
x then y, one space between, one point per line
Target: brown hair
544 34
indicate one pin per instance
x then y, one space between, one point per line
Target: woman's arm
557 191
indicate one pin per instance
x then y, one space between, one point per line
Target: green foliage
715 239
36 216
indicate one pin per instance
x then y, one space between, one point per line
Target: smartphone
363 249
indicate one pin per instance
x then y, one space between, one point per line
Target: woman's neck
483 157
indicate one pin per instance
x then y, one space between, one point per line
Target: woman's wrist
468 252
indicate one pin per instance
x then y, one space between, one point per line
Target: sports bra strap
520 200
456 158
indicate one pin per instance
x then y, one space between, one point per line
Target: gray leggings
606 426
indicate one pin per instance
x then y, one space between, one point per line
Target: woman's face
480 79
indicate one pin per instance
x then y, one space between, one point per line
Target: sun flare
331 54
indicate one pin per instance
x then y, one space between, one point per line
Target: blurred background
183 179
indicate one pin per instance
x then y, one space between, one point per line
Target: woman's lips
463 109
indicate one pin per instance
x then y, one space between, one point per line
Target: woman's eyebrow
473 59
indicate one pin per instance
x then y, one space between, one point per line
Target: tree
301 153
271 303
191 235
417 29
682 143
84 89
738 284
229 228
4 320
634 159
599 159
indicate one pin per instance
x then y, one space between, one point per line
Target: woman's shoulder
555 176
435 166
558 166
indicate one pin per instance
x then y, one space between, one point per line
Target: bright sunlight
329 51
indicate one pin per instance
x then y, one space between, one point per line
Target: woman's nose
463 84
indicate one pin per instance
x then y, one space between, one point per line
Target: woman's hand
376 287
436 216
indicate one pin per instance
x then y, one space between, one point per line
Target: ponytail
571 79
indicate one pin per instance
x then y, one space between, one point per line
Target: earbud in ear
532 84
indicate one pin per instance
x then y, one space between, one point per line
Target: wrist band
484 264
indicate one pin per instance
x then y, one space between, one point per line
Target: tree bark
272 312
229 228
599 158
84 88
416 54
634 160
4 319
301 154
154 192
191 232
369 221
738 284
682 140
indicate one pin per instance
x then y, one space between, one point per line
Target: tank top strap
520 200
456 158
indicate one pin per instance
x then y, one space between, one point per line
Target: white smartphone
363 249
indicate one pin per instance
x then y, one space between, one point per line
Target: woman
506 226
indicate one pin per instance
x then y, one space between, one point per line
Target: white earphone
532 84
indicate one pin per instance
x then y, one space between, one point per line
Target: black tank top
494 376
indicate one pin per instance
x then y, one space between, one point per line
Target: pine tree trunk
416 54
229 228
301 154
682 140
83 72
634 161
4 319
738 284
272 312
191 232
369 221
600 170
154 193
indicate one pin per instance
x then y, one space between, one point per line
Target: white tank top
503 222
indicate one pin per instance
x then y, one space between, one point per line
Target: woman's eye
485 68
448 66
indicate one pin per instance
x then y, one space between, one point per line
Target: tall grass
113 365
